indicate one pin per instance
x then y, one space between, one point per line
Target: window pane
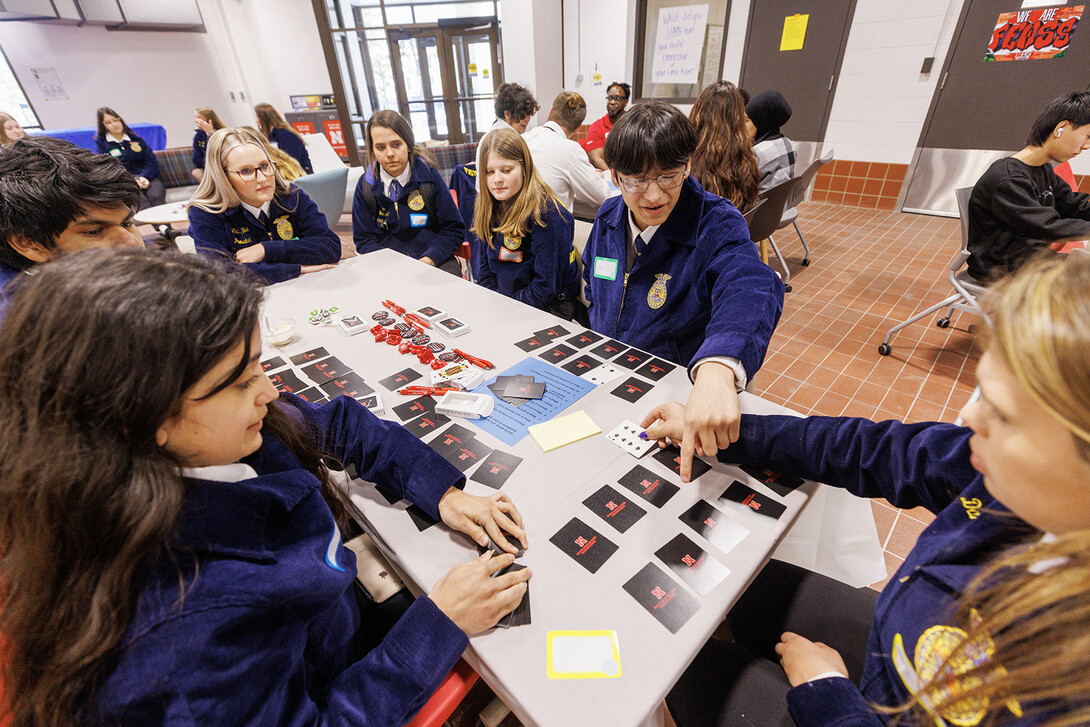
706 62
440 11
13 101
399 16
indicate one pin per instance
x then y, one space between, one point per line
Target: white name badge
418 220
115 152
605 268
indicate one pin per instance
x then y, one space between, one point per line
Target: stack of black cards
521 615
331 378
517 390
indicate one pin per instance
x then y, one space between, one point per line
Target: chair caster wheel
806 262
884 349
943 323
787 288
973 328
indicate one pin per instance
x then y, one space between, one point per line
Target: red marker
412 318
390 305
424 390
474 360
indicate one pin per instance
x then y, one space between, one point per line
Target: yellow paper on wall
563 430
794 31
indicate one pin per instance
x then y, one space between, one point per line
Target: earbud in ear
1059 131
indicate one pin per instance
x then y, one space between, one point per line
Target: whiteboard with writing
679 44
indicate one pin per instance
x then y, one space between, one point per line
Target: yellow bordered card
583 655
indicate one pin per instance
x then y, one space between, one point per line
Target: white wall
597 34
259 50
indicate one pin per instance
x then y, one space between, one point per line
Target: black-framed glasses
618 99
249 174
633 185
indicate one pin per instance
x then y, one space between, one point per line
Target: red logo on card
710 523
658 592
580 541
688 560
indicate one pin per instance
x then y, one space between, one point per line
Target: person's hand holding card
674 421
482 518
474 600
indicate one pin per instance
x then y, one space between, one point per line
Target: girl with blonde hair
987 621
10 130
529 232
244 209
281 135
208 122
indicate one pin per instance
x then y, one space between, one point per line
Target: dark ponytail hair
96 351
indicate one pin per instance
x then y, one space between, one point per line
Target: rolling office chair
966 289
766 220
326 190
791 214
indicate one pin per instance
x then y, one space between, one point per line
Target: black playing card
426 423
609 349
326 370
270 364
557 353
286 380
671 457
400 379
348 385
779 482
692 564
663 598
524 390
550 333
416 407
655 369
496 468
717 528
313 395
421 519
496 549
389 495
468 454
740 495
521 615
649 486
616 509
307 356
631 359
583 544
531 343
581 365
584 339
632 390
452 437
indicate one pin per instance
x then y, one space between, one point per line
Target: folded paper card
583 655
564 430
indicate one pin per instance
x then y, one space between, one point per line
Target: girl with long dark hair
724 162
114 137
170 528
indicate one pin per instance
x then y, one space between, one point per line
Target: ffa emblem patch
283 228
656 297
416 201
512 243
135 146
940 656
471 171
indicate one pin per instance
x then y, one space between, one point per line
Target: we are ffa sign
1027 35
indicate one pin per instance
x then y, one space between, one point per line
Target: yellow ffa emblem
416 201
943 656
135 146
656 297
512 243
471 171
283 228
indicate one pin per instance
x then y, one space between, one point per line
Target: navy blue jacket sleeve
315 243
486 274
101 146
551 247
829 702
211 235
746 297
149 165
452 232
911 465
198 150
384 453
292 145
365 232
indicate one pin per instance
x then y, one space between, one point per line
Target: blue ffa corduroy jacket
269 631
298 235
538 269
293 146
200 142
698 290
911 465
9 280
135 155
463 183
408 226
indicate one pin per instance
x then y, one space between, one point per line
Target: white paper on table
835 536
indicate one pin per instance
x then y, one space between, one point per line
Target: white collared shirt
221 472
565 168
256 211
404 178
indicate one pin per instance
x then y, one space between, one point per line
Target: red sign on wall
303 127
335 134
1027 35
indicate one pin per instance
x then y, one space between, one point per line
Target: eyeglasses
249 174
632 185
618 99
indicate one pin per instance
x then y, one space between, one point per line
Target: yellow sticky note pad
563 430
583 655
794 32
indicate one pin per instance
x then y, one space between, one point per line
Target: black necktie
263 218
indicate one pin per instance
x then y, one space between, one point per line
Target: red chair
1063 171
448 696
